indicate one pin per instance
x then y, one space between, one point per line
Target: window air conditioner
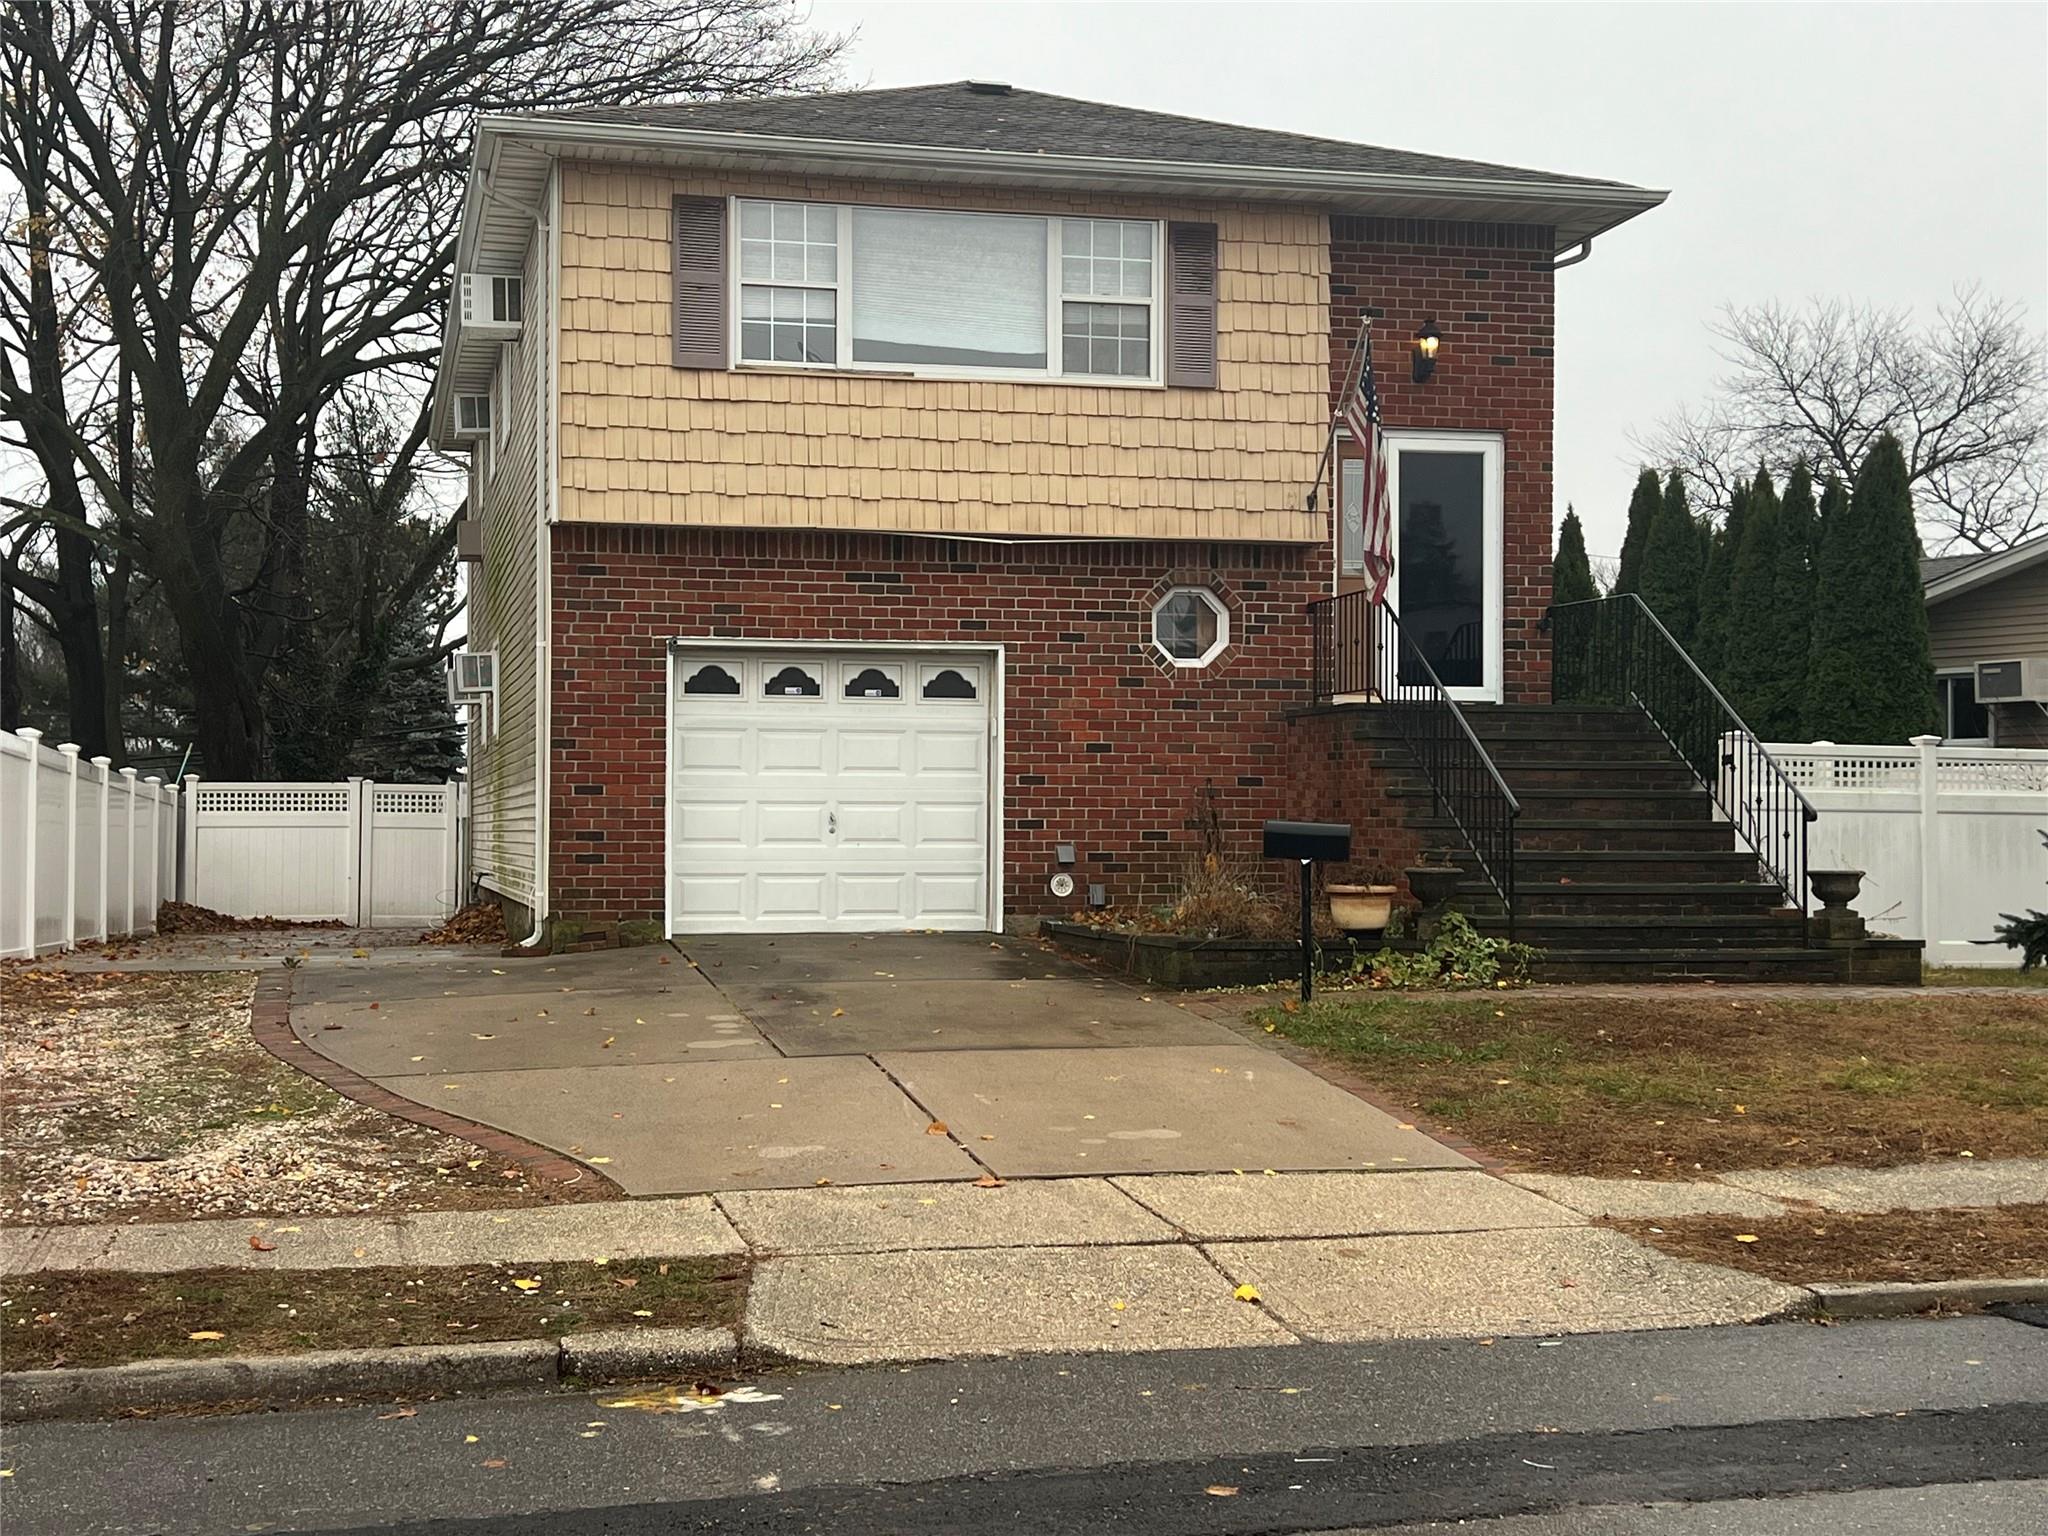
493 306
2023 680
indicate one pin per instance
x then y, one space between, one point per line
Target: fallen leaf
1246 1293
495 1463
523 1284
361 954
838 1013
600 1159
475 1036
1745 1237
206 1334
399 1413
988 1181
1220 1491
936 1128
261 1246
471 1439
362 1253
642 1312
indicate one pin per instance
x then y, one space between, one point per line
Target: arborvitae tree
1671 564
1642 514
1571 573
1781 715
1872 679
1749 655
1710 637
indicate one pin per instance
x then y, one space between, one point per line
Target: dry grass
1983 976
145 1097
1670 1087
103 1318
2003 1242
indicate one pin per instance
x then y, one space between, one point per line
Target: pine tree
1781 715
1642 514
1710 638
1571 573
1672 562
1872 679
1749 654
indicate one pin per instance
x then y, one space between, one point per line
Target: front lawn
1983 976
132 1096
107 1317
2000 1242
1674 1087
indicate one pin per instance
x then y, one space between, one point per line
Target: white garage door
813 790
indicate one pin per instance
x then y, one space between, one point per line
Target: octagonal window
1190 626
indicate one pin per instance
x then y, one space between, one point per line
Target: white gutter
857 155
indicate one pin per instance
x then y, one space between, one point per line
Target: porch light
1427 340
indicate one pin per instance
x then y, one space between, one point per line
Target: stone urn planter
1361 908
1433 885
1836 920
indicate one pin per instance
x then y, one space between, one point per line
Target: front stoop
1624 874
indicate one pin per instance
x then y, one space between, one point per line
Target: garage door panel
711 823
787 896
950 752
863 807
710 749
871 826
779 823
791 751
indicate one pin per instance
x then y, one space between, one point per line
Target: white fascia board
1990 568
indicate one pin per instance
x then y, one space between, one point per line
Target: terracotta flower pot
1361 908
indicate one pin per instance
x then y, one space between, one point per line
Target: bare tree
242 209
1964 396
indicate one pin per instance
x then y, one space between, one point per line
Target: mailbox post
1312 843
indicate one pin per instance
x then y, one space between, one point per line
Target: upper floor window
930 290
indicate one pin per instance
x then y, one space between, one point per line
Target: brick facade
1105 747
1491 290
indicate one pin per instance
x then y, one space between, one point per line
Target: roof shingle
961 116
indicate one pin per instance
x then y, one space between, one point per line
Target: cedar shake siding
648 443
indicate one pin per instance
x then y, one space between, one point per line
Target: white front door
1449 562
814 789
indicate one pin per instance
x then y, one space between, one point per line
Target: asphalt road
1916 1426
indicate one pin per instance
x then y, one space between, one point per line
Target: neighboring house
1991 608
880 494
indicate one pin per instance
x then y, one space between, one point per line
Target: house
890 509
1990 610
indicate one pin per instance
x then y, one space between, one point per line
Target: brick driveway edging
270 1021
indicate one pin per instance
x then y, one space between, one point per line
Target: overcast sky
1867 152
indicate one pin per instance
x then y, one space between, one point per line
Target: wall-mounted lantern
1427 339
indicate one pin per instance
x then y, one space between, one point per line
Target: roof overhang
514 155
1991 568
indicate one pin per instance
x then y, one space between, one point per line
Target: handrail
1361 649
1608 648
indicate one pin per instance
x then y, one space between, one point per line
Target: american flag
1362 418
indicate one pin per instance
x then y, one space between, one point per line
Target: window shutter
699 261
1191 305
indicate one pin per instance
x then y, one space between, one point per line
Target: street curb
417 1370
1881 1298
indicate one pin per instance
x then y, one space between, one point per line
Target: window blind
963 289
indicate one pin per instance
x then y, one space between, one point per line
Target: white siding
504 788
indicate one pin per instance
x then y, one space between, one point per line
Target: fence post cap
153 779
29 733
1925 741
102 761
69 748
191 778
128 772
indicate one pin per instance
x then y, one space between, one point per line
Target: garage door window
874 683
711 678
791 683
949 683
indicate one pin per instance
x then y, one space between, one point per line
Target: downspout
543 583
1585 249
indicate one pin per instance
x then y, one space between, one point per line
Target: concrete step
1669 966
1571 803
1650 931
1655 866
1536 832
1626 900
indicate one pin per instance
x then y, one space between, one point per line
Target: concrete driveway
784 1062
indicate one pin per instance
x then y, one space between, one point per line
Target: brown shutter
699 261
1191 305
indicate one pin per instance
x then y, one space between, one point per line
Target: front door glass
1441 566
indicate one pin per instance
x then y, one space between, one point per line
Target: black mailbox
1310 842
1324 841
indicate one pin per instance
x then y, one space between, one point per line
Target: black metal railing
1615 651
1360 651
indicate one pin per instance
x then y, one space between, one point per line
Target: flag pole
1358 346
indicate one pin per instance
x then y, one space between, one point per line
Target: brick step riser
1699 837
1555 904
1540 867
1761 936
1594 807
1593 778
1735 966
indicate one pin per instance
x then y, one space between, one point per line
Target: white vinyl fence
371 855
85 852
1948 837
